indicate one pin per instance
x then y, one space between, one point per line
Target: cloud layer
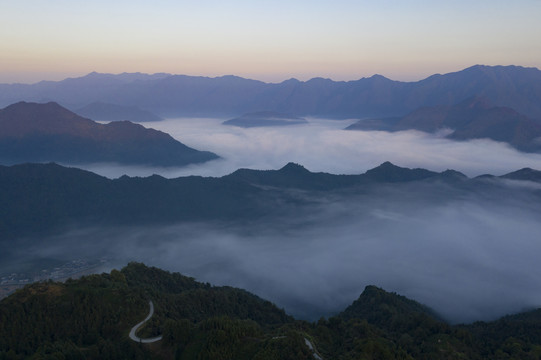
470 256
322 145
469 253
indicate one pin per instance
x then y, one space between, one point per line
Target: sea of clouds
323 145
470 254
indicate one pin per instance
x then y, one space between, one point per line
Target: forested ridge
90 318
45 199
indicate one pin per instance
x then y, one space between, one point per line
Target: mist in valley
323 145
469 253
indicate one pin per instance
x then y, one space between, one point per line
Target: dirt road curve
136 327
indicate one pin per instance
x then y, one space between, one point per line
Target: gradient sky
265 40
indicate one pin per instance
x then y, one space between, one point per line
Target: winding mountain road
136 327
312 349
158 338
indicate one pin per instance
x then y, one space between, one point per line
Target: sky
266 40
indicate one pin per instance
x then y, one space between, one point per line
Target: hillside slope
90 318
32 132
474 118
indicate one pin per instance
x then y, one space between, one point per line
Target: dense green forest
90 318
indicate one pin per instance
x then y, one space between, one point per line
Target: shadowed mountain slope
31 132
90 318
296 176
378 306
44 198
524 174
474 118
38 198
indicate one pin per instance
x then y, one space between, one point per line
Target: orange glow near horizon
346 40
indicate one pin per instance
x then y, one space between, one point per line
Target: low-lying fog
468 256
322 145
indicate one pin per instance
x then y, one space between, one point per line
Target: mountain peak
375 304
388 172
388 164
50 132
25 118
293 168
34 105
453 174
524 174
385 167
291 81
378 77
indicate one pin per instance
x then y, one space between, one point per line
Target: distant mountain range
45 198
31 132
168 95
92 316
474 118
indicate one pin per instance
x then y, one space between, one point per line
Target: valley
305 215
285 180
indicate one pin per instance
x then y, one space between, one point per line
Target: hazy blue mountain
178 95
37 198
296 176
99 111
474 118
524 174
73 92
265 118
31 132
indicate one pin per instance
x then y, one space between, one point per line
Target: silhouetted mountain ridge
473 118
378 306
524 174
31 132
44 198
179 95
296 176
389 172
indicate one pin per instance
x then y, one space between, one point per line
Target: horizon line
166 75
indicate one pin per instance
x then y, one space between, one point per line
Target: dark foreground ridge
32 132
91 318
